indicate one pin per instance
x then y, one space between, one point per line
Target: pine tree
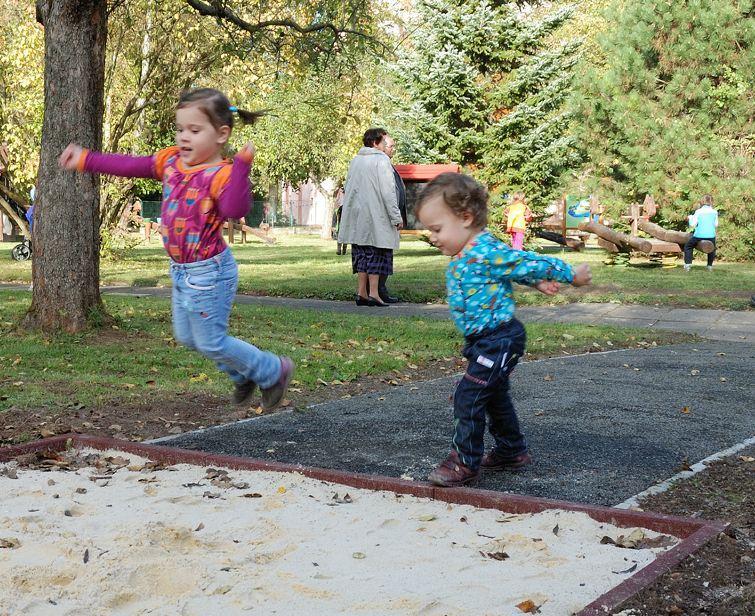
479 88
671 113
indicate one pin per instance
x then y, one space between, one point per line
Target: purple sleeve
234 200
121 164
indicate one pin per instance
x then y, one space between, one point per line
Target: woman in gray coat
371 218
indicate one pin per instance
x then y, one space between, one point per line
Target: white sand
294 550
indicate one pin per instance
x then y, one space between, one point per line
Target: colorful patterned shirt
478 281
196 200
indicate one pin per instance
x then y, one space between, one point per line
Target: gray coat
370 206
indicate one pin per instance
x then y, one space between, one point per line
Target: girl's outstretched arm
76 158
234 195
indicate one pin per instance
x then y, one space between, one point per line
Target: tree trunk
329 189
66 221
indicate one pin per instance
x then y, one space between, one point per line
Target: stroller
22 251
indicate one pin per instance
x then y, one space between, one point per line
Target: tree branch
226 14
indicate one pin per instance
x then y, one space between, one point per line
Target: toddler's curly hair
461 193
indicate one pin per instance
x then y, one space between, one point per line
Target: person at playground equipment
454 208
704 223
516 220
29 215
201 189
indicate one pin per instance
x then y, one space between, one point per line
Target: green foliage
117 244
480 86
671 112
21 96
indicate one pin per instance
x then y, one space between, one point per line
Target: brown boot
451 472
496 462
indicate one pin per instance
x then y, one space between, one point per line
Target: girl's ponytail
249 117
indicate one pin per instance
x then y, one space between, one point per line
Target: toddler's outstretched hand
69 159
582 275
549 287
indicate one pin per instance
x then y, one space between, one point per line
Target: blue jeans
484 391
202 299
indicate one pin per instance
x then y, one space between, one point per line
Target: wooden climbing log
622 240
570 242
678 237
608 246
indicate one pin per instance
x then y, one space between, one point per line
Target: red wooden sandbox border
694 532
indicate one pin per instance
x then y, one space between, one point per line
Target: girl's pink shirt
196 200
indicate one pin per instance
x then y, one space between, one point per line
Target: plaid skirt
371 260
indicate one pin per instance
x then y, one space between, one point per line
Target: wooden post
634 214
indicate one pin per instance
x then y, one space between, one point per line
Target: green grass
140 358
306 266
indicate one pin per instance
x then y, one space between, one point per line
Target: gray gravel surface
601 427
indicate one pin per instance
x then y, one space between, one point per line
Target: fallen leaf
428 517
694 372
555 530
86 556
252 495
747 458
45 433
282 490
685 409
548 377
11 543
200 527
10 473
359 555
528 607
632 568
495 555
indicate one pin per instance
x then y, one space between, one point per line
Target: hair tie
233 109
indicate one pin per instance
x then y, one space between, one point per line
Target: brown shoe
451 472
242 391
496 462
273 397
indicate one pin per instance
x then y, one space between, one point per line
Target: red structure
423 173
415 177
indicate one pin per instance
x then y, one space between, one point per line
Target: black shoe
243 391
388 299
363 301
376 304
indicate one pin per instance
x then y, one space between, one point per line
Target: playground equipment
562 226
664 245
10 205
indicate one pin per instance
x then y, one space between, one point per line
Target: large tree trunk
66 219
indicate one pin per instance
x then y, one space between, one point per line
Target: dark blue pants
690 245
484 392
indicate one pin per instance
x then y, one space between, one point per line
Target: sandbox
93 525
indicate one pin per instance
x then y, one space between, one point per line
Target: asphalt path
601 427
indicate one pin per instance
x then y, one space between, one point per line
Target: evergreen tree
482 90
671 112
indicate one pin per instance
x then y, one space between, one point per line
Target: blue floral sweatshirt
478 281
